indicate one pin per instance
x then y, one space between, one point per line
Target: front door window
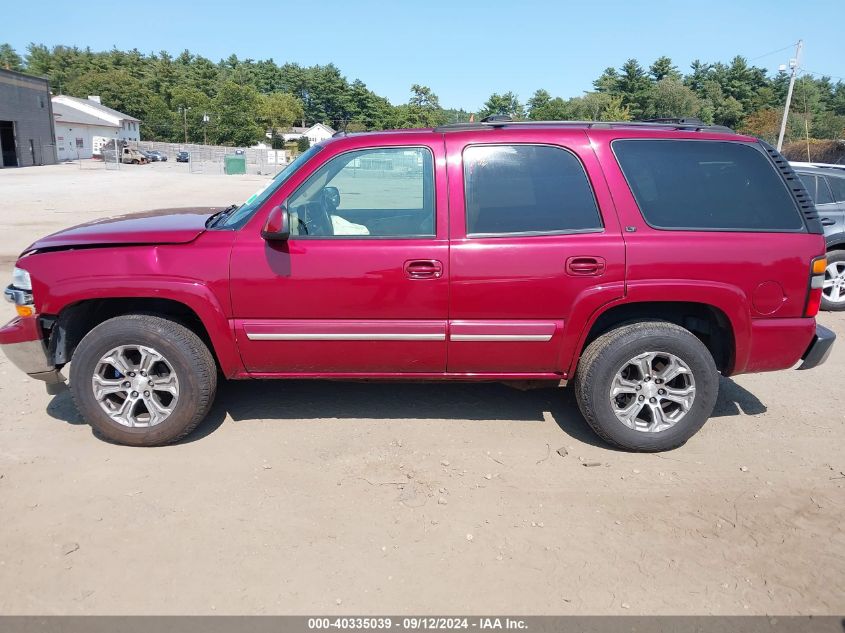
375 193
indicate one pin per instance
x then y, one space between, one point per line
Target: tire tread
199 357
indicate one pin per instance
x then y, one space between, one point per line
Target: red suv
640 260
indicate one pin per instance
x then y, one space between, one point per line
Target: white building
314 134
83 125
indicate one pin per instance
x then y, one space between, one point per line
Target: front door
535 244
361 286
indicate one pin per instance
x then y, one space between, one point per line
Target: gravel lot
298 497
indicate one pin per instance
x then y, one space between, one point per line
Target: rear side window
706 185
837 187
817 188
526 190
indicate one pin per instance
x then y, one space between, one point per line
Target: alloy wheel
652 392
135 385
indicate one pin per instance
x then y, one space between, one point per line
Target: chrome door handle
423 269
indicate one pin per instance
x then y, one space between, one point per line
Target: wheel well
65 331
709 324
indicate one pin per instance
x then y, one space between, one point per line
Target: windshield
240 217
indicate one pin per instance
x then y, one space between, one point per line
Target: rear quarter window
706 186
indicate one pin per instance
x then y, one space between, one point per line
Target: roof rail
499 121
676 120
497 118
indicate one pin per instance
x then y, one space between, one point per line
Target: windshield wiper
221 215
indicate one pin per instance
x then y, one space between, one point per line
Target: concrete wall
25 101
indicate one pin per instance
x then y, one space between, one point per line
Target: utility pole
205 120
793 64
184 110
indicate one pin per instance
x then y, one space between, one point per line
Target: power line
772 52
810 72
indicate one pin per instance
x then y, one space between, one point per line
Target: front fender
194 294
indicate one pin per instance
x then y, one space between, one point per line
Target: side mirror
277 226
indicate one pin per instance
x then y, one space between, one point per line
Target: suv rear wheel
142 380
647 386
833 291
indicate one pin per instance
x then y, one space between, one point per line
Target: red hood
162 226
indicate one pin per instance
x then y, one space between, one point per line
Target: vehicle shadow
735 399
313 399
291 400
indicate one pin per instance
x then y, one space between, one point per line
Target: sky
464 50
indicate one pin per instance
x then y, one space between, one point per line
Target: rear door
830 212
836 184
535 248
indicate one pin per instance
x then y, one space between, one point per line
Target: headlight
21 279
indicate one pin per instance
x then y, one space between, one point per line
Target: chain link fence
108 159
209 159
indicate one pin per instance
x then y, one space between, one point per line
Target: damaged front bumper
21 342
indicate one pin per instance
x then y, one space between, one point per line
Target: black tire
827 304
187 354
606 355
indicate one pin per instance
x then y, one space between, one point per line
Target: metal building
26 121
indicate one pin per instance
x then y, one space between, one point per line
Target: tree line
245 98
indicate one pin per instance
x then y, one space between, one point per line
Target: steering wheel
316 220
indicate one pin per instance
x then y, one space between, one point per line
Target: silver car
826 185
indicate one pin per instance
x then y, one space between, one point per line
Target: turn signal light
25 311
814 296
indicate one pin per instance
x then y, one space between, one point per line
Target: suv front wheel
142 380
647 386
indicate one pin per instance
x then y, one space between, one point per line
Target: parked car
639 261
826 186
132 156
183 157
156 156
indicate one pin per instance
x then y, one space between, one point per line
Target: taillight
814 297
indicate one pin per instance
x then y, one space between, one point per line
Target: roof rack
500 121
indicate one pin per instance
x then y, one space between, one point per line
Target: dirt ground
304 498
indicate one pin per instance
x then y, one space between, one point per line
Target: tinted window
837 186
706 185
526 189
817 188
380 192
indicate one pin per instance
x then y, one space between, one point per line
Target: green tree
505 104
302 144
608 81
718 108
116 88
9 58
634 86
671 98
279 110
543 107
663 68
614 110
422 110
236 109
